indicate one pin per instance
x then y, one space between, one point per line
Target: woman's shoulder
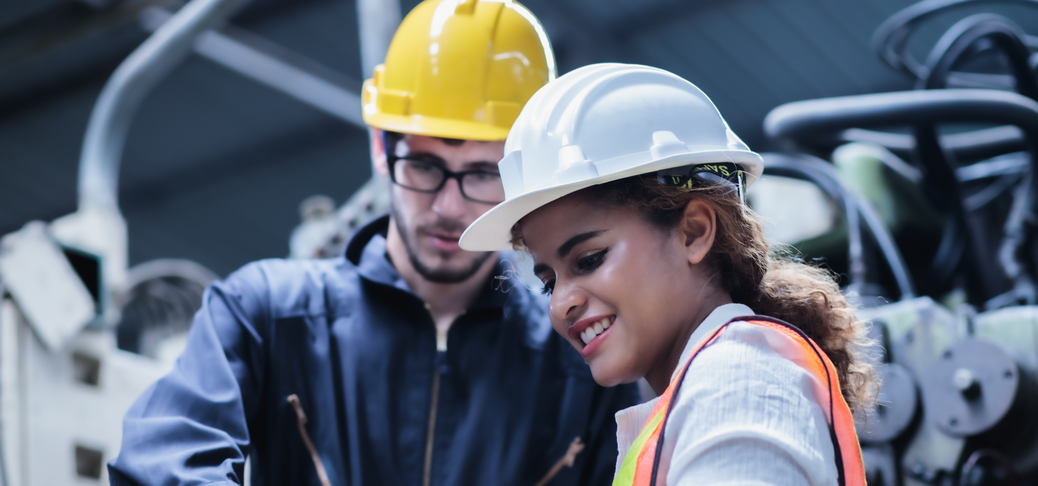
743 398
754 362
746 357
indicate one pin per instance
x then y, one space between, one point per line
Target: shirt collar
719 317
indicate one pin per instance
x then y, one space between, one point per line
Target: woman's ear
698 227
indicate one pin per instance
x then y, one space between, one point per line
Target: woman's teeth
594 330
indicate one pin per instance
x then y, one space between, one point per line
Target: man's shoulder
293 287
294 268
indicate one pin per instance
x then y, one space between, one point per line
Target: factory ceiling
216 164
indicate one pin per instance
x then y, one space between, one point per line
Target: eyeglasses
482 186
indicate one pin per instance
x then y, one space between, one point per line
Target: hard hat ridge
601 123
459 69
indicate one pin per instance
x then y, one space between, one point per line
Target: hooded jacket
384 406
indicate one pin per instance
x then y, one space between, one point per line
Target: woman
626 186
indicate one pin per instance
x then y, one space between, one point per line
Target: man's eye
549 286
482 176
591 262
420 167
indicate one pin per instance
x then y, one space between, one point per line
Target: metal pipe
966 146
808 121
276 67
377 21
130 83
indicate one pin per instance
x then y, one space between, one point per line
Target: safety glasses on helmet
700 175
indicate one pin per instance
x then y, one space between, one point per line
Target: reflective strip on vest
641 464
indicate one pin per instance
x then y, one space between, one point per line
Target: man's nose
449 202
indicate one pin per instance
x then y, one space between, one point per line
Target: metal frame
377 21
275 67
137 75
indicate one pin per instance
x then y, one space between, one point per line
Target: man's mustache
442 225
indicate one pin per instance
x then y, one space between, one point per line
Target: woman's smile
592 332
616 294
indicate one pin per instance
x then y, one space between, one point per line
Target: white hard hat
601 123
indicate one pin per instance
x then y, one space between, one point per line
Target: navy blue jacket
349 338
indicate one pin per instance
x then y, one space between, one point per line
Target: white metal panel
49 293
10 405
74 407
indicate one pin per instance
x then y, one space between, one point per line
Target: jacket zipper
441 355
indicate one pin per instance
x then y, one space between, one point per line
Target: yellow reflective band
625 476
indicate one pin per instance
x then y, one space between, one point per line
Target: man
407 361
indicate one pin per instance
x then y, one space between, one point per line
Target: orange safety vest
640 465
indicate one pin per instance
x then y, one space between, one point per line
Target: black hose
855 210
776 165
890 39
814 121
961 40
956 44
944 190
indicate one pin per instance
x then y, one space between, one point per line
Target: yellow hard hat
459 69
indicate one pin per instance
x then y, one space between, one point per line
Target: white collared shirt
745 415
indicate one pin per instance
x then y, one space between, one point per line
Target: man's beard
447 276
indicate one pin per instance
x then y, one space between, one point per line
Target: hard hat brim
437 127
493 230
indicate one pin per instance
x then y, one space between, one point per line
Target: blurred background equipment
157 305
936 200
81 336
64 383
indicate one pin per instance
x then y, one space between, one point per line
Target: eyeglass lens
482 186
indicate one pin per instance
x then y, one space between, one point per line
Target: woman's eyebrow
576 240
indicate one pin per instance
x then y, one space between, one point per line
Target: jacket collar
367 252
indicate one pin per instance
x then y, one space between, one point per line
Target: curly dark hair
770 282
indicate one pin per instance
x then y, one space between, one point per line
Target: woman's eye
549 286
591 262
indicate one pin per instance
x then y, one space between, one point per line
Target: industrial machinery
64 382
936 232
82 335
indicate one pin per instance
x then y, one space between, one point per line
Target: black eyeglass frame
447 175
392 159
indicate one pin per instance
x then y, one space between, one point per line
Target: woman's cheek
560 328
